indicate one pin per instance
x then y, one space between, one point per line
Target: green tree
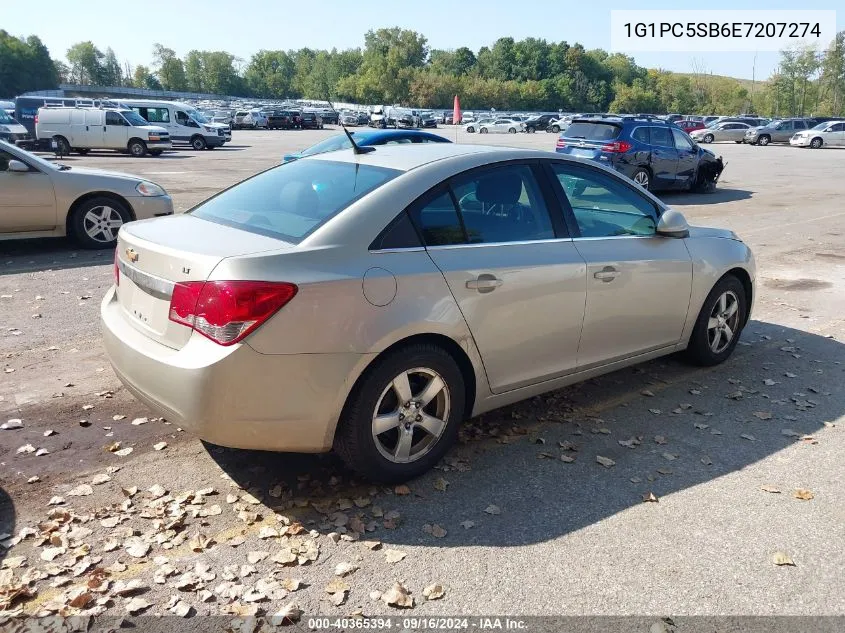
86 63
269 74
24 65
169 68
110 72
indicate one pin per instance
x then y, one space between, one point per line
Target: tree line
397 66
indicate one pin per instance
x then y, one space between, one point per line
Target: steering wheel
485 210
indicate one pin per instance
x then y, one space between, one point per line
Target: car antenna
357 149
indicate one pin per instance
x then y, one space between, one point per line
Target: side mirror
672 224
18 166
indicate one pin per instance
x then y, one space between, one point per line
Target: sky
244 28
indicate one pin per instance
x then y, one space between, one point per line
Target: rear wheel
137 148
511 130
95 222
470 129
719 323
198 143
62 146
816 143
403 415
642 177
555 129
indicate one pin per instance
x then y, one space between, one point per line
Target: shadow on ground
49 253
703 415
719 196
7 519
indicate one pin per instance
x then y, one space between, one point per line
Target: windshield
293 200
31 158
197 116
5 118
134 118
329 145
820 126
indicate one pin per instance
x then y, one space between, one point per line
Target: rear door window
293 200
641 134
661 137
593 131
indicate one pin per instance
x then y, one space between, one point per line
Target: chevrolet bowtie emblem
131 255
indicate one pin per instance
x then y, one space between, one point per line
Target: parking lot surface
737 464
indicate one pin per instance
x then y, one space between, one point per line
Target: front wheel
719 323
95 222
137 148
483 130
708 138
763 140
555 129
816 143
198 143
403 415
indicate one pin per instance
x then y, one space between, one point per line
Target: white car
500 126
830 133
252 119
472 126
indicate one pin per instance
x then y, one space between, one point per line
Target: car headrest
299 198
499 189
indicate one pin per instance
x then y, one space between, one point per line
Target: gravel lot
564 538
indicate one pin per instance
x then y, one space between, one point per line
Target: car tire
816 143
704 348
642 177
482 130
764 140
708 138
198 143
104 213
373 455
530 130
62 146
511 130
137 148
470 129
738 142
155 152
556 129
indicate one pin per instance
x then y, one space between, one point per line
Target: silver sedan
721 132
371 302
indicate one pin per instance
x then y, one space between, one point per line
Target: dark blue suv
652 152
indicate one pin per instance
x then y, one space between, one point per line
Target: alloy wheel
723 323
641 178
102 223
411 415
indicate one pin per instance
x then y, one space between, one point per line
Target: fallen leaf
790 433
769 382
337 584
467 524
285 616
790 375
567 459
650 498
14 423
136 605
82 490
157 491
256 557
701 426
763 415
344 569
493 509
402 489
441 484
394 555
136 547
123 452
41 452
659 439
435 530
139 421
768 488
160 446
647 393
803 494
26 449
749 437
434 592
398 596
605 461
100 479
655 411
199 542
706 461
782 558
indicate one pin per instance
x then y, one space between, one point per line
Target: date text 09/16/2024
418 623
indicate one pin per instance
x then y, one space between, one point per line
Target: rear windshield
293 200
593 131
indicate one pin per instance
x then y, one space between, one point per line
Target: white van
184 122
83 129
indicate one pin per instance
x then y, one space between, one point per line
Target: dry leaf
344 569
199 542
434 592
706 461
291 584
285 616
493 509
441 484
803 494
371 544
136 605
100 479
647 393
123 452
781 558
139 421
135 547
160 446
763 415
769 382
650 497
14 423
435 530
768 488
749 437
394 555
567 459
338 598
467 524
256 557
659 439
337 584
398 596
402 489
82 490
605 461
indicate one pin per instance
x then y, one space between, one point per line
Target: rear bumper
231 396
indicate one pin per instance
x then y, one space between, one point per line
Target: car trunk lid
153 256
587 139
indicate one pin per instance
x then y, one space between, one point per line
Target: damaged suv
654 153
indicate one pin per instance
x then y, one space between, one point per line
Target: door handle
608 273
484 283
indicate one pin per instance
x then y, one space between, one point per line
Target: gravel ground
745 459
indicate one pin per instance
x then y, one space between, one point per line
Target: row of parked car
280 119
814 132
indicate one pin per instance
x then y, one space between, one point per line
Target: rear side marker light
227 311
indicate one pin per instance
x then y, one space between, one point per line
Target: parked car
538 123
827 133
350 119
690 125
329 117
280 120
320 294
311 121
500 126
721 132
185 124
13 132
368 138
428 120
778 131
652 152
83 129
472 126
39 198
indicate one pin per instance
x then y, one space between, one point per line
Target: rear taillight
35 119
116 269
560 143
616 147
227 311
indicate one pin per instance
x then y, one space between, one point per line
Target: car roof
374 135
408 157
